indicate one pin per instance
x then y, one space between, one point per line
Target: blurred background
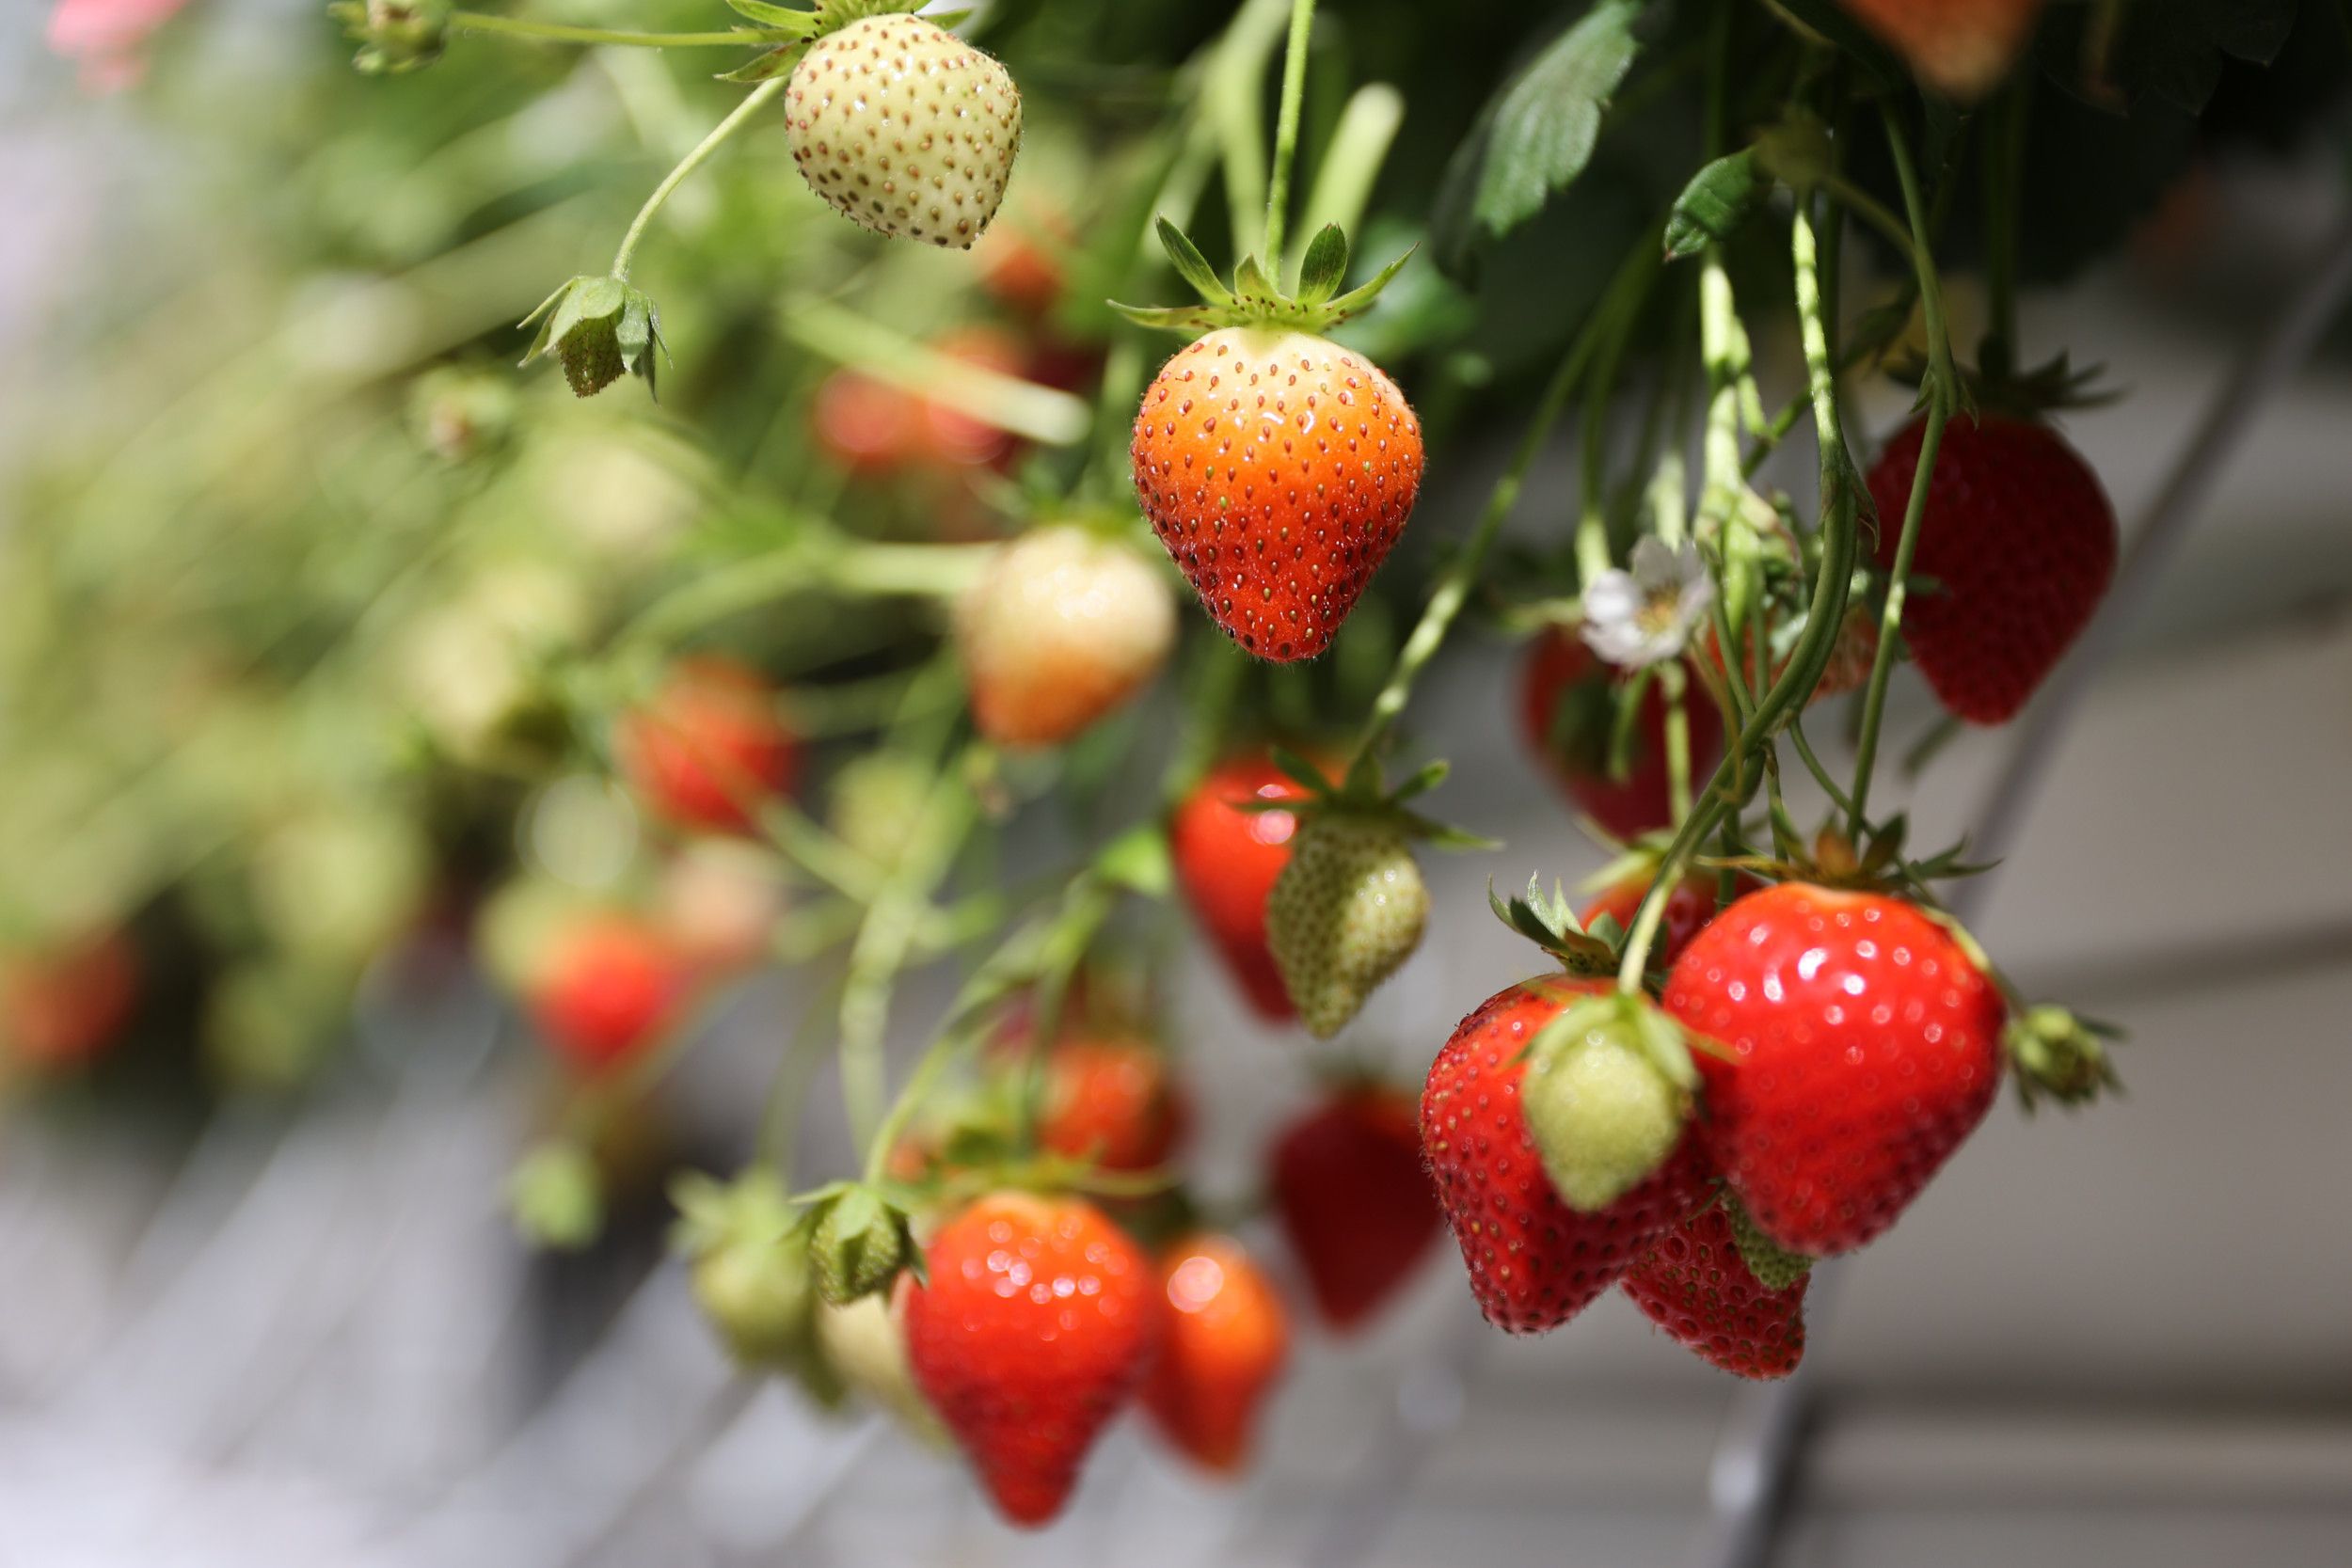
303 591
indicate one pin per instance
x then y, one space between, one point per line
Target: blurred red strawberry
1567 712
610 985
63 1006
708 750
1226 861
1354 1201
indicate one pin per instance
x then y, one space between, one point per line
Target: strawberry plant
866 653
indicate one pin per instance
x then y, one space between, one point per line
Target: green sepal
1137 860
1718 201
859 1243
1774 1266
768 66
781 20
395 38
1191 265
1550 922
1324 268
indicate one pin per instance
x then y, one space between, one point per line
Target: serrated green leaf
1324 268
1718 199
1191 265
1536 135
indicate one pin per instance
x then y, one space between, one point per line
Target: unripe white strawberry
1063 626
906 128
1345 913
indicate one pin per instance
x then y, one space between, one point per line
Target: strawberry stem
1286 131
753 101
1624 293
556 32
1940 391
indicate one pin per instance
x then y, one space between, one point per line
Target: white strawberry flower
1646 616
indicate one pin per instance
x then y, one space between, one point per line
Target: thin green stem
1940 391
1827 608
1277 191
1428 635
893 921
2004 154
1677 740
556 32
750 106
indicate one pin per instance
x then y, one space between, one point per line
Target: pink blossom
107 35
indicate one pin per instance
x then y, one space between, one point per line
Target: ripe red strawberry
1226 861
2021 543
1689 907
1533 1261
708 748
1227 1337
870 427
1111 1099
905 128
1962 48
1064 627
1694 1285
609 986
1040 1321
1867 1046
64 1007
1353 1199
1022 262
1566 715
1279 469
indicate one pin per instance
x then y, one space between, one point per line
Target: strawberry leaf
1538 134
1718 199
784 20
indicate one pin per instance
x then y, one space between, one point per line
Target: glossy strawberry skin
1039 1322
1354 1201
1689 907
1533 1262
1692 1284
2020 541
1227 862
1865 1045
1227 1337
1279 469
1112 1100
1557 664
708 748
608 988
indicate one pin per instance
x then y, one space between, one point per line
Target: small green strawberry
1607 1096
597 328
905 128
1774 1266
860 1245
1345 913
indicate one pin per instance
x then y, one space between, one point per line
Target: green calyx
747 1249
1774 1266
394 36
791 29
599 328
1360 795
1608 1093
1255 299
1549 921
2059 1056
859 1243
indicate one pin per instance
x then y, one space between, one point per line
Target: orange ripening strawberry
1864 1045
64 1007
2021 543
1228 859
1064 627
1353 1202
607 986
868 426
1693 1284
1567 712
1961 48
1279 469
1533 1262
708 750
1039 1322
1689 907
1111 1100
1227 1337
